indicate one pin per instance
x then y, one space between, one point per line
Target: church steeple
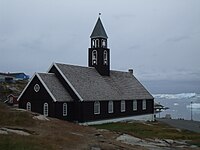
99 31
99 54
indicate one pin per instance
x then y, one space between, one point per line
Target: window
64 109
11 99
144 104
28 106
94 57
103 43
134 105
96 107
105 57
110 107
123 106
93 43
37 88
46 109
97 42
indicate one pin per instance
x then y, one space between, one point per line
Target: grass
14 117
57 134
17 142
152 130
50 135
11 117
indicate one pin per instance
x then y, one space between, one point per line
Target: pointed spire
99 31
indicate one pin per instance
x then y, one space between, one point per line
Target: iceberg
176 96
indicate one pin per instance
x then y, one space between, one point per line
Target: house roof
99 31
55 87
90 85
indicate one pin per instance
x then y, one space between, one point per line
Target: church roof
55 87
99 31
91 86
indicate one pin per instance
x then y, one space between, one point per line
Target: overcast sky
159 39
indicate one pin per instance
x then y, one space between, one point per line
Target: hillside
11 88
50 134
20 130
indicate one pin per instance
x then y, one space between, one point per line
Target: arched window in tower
97 42
94 57
103 43
93 43
105 57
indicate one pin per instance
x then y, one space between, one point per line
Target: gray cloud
35 33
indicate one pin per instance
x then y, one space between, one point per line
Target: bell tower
99 53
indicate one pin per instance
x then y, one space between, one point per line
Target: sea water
181 106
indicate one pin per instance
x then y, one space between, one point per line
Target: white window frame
144 104
103 43
36 87
93 43
28 106
123 106
97 42
46 109
135 107
110 107
96 107
105 57
64 109
94 57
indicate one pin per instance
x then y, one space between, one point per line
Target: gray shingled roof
92 86
99 31
55 87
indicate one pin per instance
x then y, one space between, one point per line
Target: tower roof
99 31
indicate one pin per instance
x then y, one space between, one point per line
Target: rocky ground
57 134
11 88
20 129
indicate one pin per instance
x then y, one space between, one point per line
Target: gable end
42 82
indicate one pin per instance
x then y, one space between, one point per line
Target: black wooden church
93 94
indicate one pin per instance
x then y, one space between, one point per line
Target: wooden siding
37 100
88 110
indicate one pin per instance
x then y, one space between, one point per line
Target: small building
19 76
93 94
11 100
11 77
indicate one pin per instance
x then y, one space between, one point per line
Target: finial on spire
99 14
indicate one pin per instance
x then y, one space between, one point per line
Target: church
89 95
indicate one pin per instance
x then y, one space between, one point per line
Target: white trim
26 87
50 67
71 86
147 117
110 104
98 106
28 106
105 57
36 87
36 74
65 110
94 53
144 104
135 105
123 106
46 109
54 99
